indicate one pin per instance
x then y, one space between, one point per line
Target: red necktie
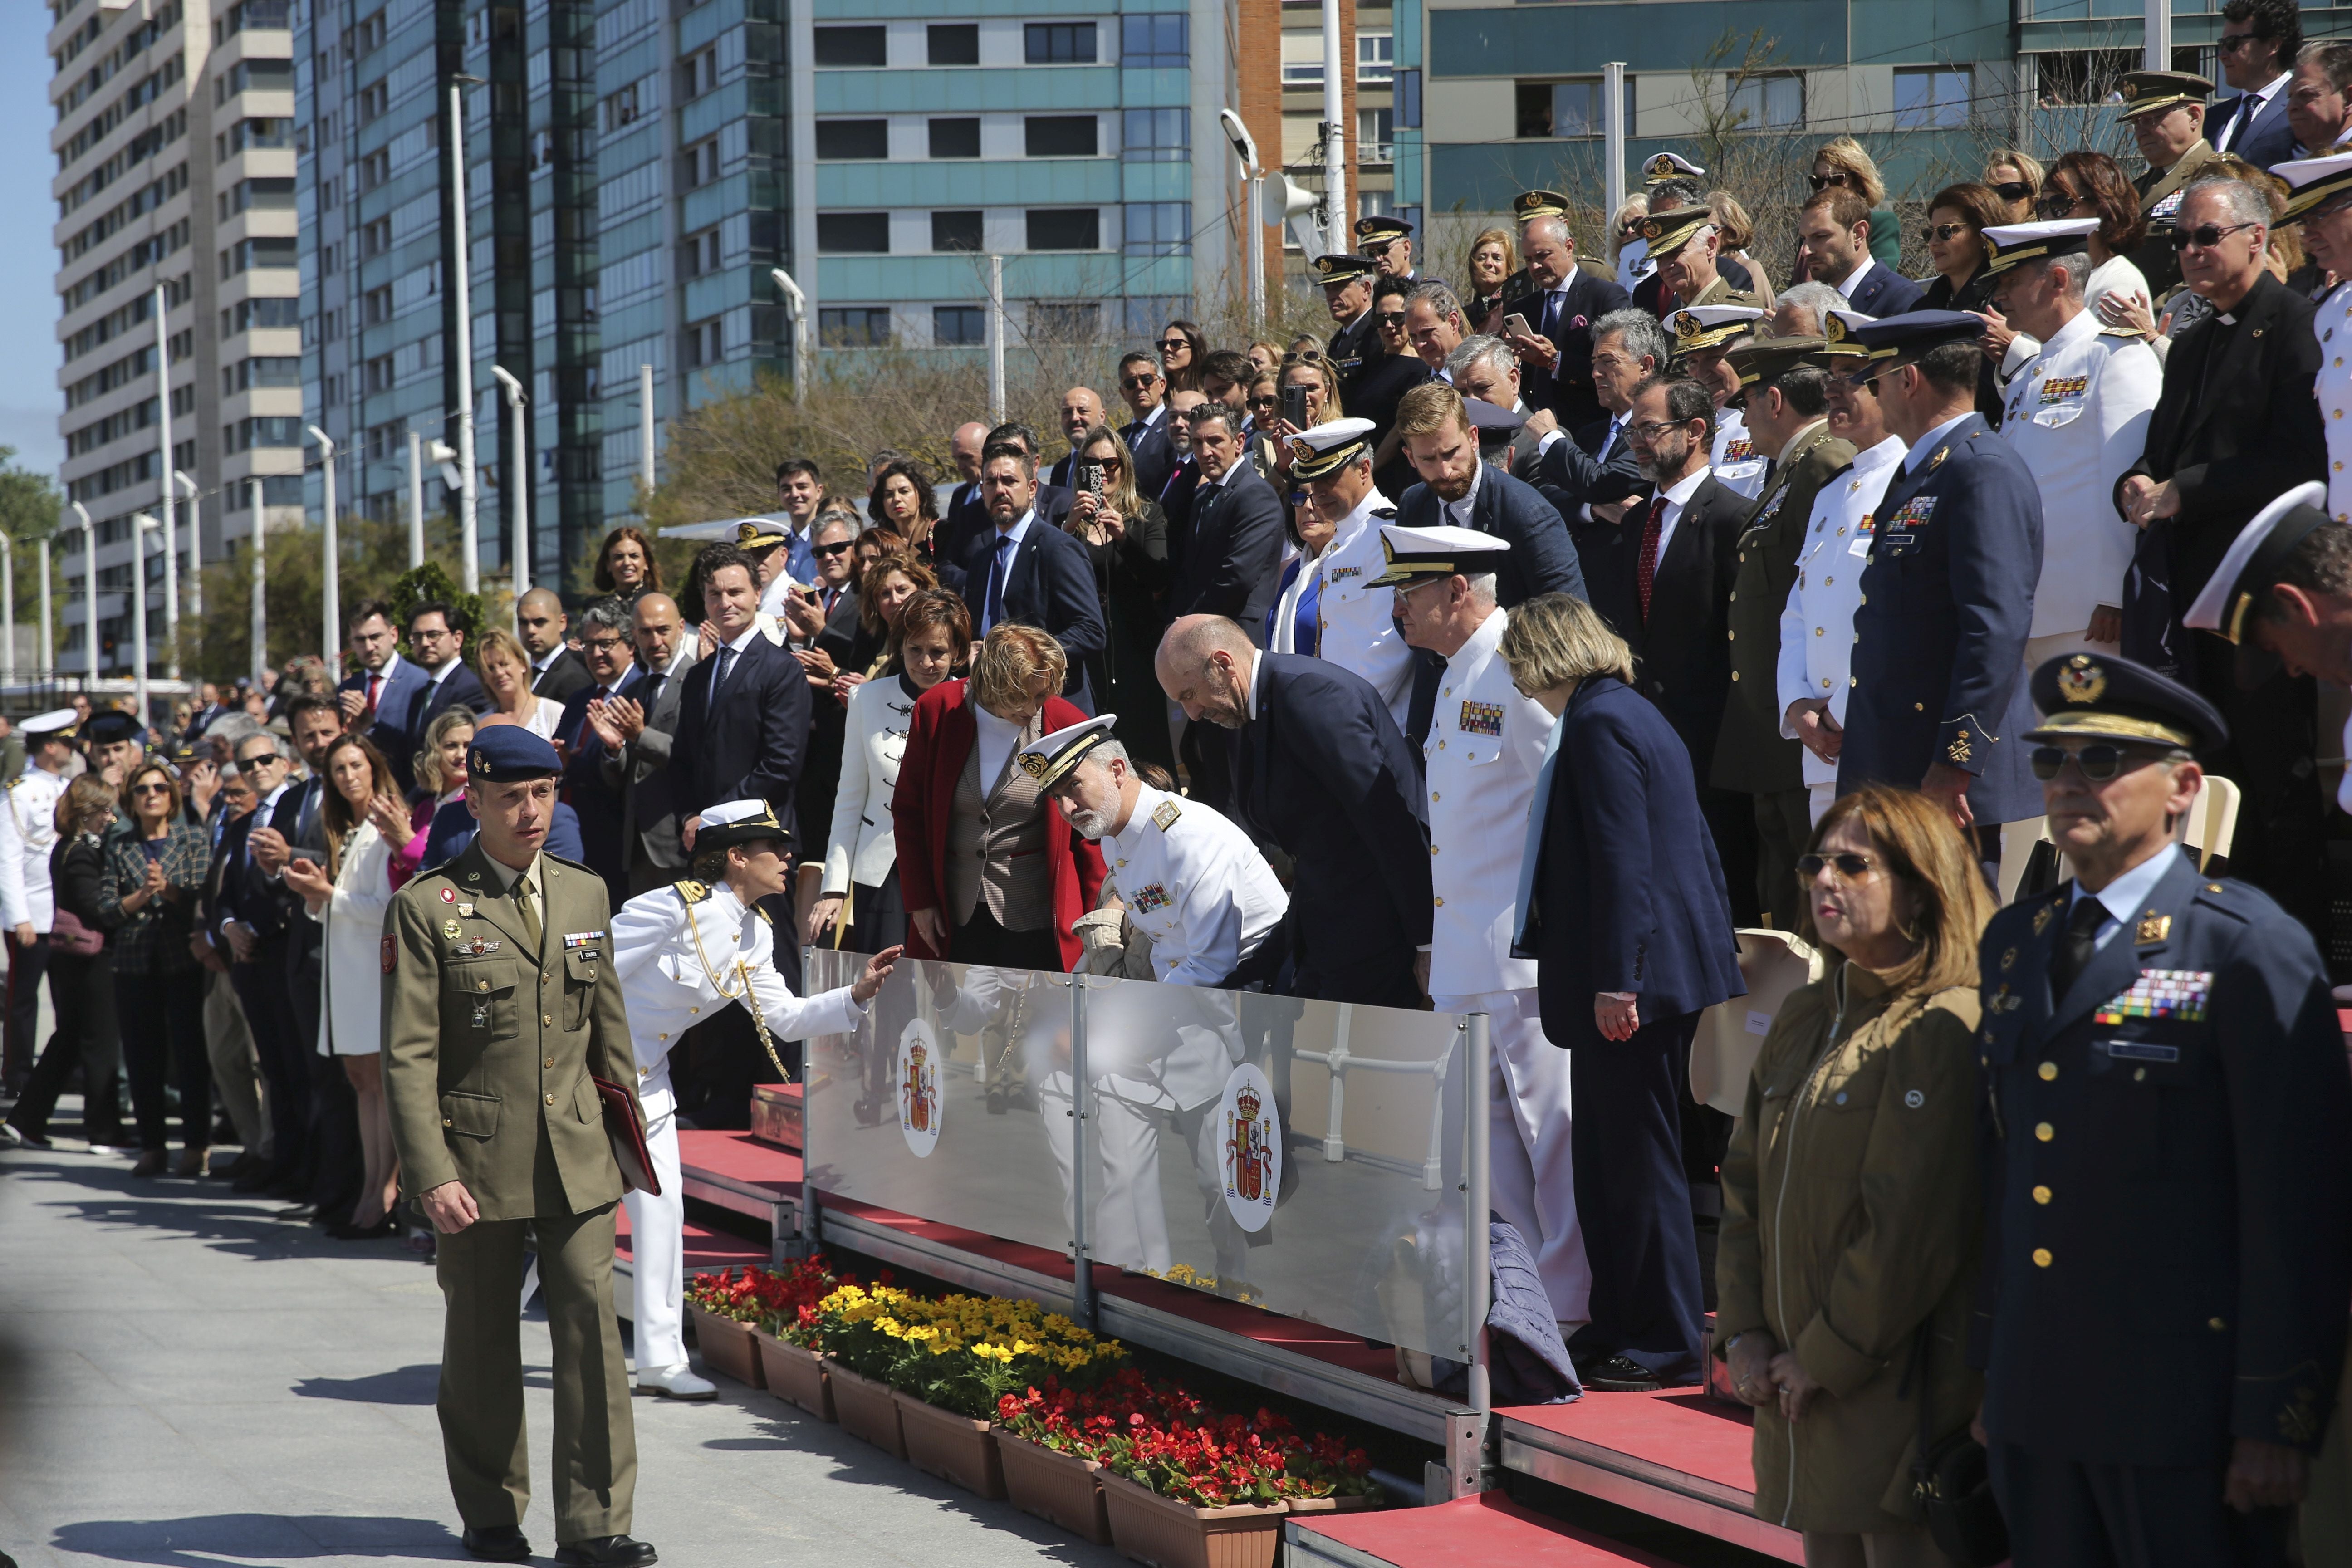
1647 572
375 684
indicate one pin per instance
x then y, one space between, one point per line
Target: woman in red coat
990 871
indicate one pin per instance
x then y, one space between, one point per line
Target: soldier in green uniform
502 1008
1784 393
2166 111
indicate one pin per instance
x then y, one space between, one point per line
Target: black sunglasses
2230 43
1935 231
1264 401
2206 235
150 789
1847 866
1389 317
1169 345
833 549
2098 760
1823 182
2012 190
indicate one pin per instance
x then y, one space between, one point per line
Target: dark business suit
566 673
1592 467
1049 582
1322 771
2201 1222
1627 895
749 745
1377 390
1353 347
650 851
1567 388
388 730
966 520
2268 140
1233 561
335 1167
1884 291
1540 560
249 897
1939 640
1154 453
604 826
2237 424
459 687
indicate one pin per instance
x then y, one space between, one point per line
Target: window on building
1161 40
1768 102
956 231
369 35
958 326
853 46
624 106
1548 108
376 237
852 233
955 43
1375 57
854 326
955 138
698 74
375 307
1307 70
380 374
1074 321
1375 136
698 164
1933 98
1064 228
1060 135
1154 228
372 101
1060 43
1157 136
703 342
1407 92
2074 77
852 139
699 255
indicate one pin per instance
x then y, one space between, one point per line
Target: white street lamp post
258 549
141 524
517 480
88 593
330 586
195 559
468 516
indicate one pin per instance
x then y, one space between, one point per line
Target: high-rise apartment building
175 149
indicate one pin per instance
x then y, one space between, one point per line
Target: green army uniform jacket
489 1047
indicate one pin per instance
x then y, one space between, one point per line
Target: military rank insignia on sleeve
1482 719
390 953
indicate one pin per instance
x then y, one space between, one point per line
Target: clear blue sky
29 399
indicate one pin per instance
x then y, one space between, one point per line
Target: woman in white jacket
861 862
365 822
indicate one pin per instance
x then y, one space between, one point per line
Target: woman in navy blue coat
1622 905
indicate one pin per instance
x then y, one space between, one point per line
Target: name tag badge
2139 1051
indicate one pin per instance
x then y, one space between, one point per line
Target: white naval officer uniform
667 991
2332 324
1737 465
1817 624
1485 748
1197 888
1358 621
2078 414
28 833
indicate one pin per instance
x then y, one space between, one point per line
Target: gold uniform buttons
2044 1132
481 985
2049 1071
447 1123
2042 1194
2042 1257
2217 1325
1440 902
548 1020
548 1062
550 1099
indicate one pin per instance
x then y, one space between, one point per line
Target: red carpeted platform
1489 1528
1676 1455
707 1251
740 1160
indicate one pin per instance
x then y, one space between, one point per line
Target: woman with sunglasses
1959 251
1492 258
1182 348
1125 536
1850 1191
1841 162
2017 179
155 868
2092 184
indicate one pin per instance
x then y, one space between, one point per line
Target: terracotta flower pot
794 1374
867 1409
727 1346
1169 1534
1060 1488
956 1448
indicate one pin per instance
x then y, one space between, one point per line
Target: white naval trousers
658 1233
1529 1179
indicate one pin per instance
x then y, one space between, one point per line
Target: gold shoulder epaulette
690 890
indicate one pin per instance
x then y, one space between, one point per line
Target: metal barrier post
1082 1266
1476 1285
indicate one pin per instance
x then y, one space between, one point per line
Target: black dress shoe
606 1552
1619 1375
252 1181
150 1164
498 1543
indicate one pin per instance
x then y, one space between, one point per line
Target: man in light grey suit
637 728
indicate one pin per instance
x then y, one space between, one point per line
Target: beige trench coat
1851 1209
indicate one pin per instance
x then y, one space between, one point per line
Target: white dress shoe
677 1382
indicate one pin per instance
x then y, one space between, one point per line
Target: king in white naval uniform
1197 888
2317 185
1815 674
28 832
2077 413
1485 748
1334 462
683 952
1703 335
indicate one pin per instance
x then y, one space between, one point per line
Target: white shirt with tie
2124 898
731 654
377 680
2244 110
1677 497
1003 548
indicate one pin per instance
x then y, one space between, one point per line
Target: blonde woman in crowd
505 670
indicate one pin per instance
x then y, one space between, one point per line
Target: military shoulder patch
1165 817
690 890
390 953
1481 718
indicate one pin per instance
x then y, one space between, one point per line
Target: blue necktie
1533 854
996 571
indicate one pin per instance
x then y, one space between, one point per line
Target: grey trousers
237 1071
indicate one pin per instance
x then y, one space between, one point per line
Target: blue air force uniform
2168 1185
1937 670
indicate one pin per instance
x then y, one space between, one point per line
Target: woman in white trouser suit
683 952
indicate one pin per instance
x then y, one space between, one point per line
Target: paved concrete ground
186 1379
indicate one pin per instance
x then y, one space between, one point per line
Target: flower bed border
796 1375
957 1449
1155 1530
1049 1484
727 1346
866 1409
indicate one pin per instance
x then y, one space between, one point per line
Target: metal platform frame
1710 1508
